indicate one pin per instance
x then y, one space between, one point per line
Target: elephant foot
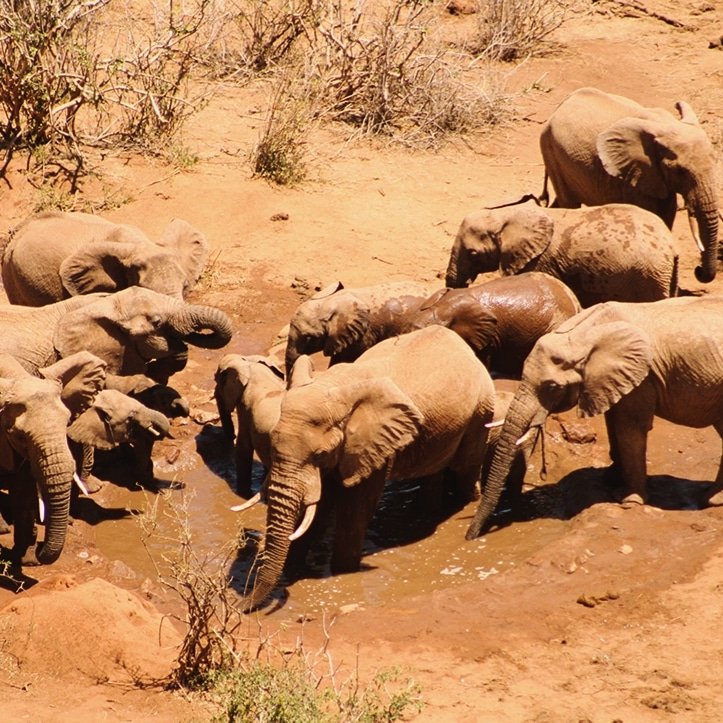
93 484
716 499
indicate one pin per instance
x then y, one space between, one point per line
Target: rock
461 7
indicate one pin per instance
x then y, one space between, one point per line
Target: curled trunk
284 510
202 326
53 471
523 409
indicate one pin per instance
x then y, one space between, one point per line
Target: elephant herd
586 313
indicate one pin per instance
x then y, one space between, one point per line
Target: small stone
625 549
280 217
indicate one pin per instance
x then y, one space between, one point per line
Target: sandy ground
613 617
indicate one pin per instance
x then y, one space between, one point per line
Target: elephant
616 252
631 362
114 418
54 255
337 320
254 387
35 462
164 399
600 148
409 407
500 319
134 331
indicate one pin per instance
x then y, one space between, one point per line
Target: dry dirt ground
614 617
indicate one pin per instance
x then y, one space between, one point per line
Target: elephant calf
615 252
409 407
254 387
55 255
345 322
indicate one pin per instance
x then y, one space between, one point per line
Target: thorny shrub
514 29
246 672
74 75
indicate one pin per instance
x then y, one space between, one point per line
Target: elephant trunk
705 210
202 326
285 507
457 276
224 413
153 423
53 470
523 409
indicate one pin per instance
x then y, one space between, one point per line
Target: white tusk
41 509
492 425
305 523
694 230
248 504
153 430
80 483
527 435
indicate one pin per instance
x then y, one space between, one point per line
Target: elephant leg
715 495
244 463
355 508
630 420
142 456
24 500
467 462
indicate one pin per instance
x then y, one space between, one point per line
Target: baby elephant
616 252
55 255
344 322
500 319
254 387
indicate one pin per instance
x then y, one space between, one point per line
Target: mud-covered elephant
337 320
616 252
35 462
134 331
631 362
600 148
55 255
253 387
164 399
410 407
500 319
114 419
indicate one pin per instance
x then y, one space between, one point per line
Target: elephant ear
92 428
81 375
524 236
383 421
99 266
301 373
629 150
475 324
188 245
619 359
328 290
346 326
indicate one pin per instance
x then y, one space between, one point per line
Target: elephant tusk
41 509
80 483
305 523
248 504
492 425
150 428
694 230
527 435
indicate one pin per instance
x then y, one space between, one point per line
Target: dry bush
279 156
513 29
261 35
74 76
376 68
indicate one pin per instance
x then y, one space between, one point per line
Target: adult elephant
615 252
55 255
409 407
600 148
501 319
134 331
631 362
337 320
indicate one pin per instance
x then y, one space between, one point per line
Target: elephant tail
544 198
674 287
